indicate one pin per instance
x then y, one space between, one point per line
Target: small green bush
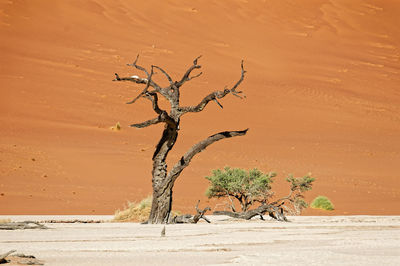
323 203
247 186
253 187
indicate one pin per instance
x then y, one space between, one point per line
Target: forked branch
214 96
165 74
186 76
135 65
136 79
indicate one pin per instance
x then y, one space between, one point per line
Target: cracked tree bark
162 180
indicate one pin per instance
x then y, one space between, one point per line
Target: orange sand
322 96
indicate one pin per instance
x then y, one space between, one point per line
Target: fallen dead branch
72 221
22 225
5 255
192 219
275 212
19 259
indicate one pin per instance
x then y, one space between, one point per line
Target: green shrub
323 203
247 186
253 187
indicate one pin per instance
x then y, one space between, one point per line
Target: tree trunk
162 191
161 206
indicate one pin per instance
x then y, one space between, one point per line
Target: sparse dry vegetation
134 212
117 127
137 211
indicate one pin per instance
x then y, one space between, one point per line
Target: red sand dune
322 96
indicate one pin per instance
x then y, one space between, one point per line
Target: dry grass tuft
117 127
5 221
134 212
137 212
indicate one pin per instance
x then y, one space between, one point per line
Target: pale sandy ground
339 240
322 93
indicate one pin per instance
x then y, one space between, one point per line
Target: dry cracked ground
307 240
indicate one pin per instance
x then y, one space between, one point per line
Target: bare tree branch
163 117
214 96
283 198
197 148
195 76
148 122
135 65
219 104
166 74
186 76
153 97
135 79
233 90
145 88
148 81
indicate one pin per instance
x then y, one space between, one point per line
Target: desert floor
311 240
322 87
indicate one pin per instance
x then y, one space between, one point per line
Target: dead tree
163 180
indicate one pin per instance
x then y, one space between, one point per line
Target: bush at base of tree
137 211
323 203
253 187
247 187
134 212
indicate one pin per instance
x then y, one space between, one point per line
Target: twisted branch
148 81
153 97
147 123
186 76
214 96
197 148
166 75
163 117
